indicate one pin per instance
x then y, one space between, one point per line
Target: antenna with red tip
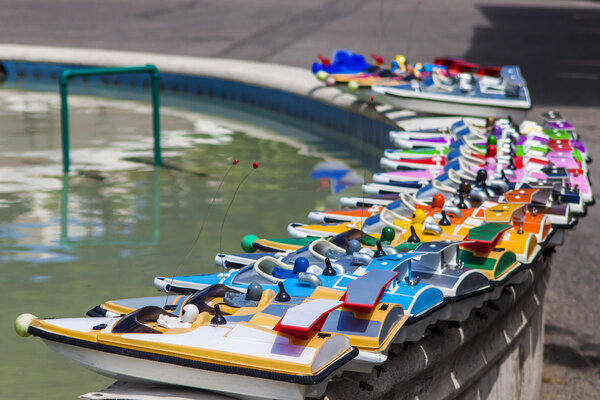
378 60
363 205
234 163
254 166
324 60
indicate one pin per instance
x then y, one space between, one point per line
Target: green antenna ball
22 324
248 243
492 140
353 86
322 75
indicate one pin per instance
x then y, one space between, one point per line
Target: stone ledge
298 81
495 354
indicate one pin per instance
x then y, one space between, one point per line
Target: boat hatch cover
364 292
305 318
485 237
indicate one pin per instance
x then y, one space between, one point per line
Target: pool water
68 243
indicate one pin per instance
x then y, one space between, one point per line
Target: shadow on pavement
558 50
584 354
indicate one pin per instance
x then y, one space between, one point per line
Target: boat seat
322 249
301 264
265 267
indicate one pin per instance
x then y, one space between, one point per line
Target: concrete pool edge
302 85
287 90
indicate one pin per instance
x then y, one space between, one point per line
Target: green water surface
68 243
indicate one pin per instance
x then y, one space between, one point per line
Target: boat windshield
134 322
344 238
248 275
199 298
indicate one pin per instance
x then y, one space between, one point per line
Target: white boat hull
449 108
379 188
130 369
363 202
364 93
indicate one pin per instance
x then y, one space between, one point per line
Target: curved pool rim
290 91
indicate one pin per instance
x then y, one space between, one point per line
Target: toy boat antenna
233 164
365 160
324 60
254 166
378 59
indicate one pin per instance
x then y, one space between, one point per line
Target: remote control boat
350 72
539 201
370 325
438 263
535 202
477 251
514 238
464 94
301 280
237 358
224 340
459 274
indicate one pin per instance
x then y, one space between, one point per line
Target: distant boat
462 94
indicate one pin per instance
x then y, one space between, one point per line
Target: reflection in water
129 240
68 243
335 174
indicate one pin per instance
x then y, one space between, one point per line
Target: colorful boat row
445 86
466 211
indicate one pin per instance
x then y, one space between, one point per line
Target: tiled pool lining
289 91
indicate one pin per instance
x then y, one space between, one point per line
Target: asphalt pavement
556 43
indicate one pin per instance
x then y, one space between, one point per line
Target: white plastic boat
466 94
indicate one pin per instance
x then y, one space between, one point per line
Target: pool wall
288 91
